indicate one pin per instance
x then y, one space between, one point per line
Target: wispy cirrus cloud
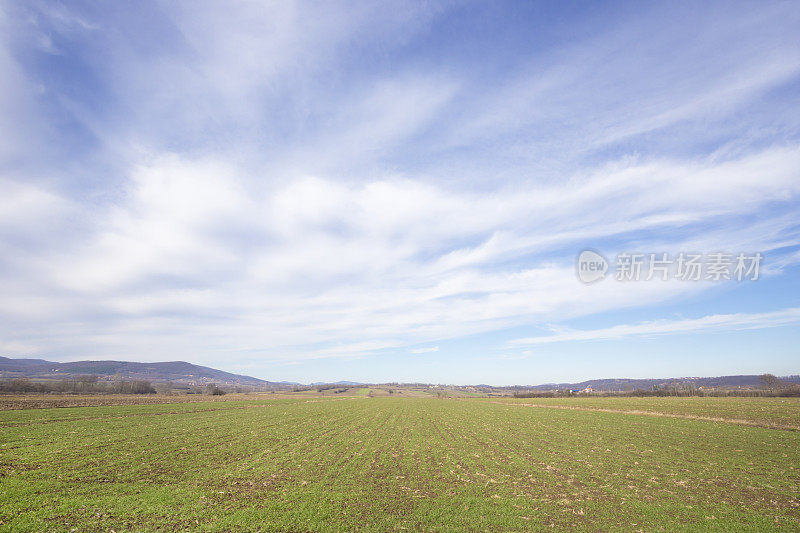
317 268
305 181
427 349
713 323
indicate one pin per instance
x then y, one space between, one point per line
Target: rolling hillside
623 384
178 372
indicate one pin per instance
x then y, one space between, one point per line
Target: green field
777 412
386 464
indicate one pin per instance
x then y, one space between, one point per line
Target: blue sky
322 191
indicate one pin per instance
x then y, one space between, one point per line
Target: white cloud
252 186
728 322
428 349
196 261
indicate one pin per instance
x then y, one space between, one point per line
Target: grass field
769 412
387 463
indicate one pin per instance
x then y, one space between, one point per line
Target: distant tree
771 382
142 387
120 386
88 382
18 385
132 387
164 388
213 390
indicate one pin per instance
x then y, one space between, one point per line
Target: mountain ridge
182 372
630 384
178 372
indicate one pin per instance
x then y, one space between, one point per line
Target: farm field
779 412
386 464
42 401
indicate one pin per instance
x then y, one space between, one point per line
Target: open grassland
386 463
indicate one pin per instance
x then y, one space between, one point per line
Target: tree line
78 384
92 384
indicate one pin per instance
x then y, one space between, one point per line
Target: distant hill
623 384
338 383
182 373
177 372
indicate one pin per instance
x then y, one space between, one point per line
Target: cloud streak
429 349
304 181
714 323
351 269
